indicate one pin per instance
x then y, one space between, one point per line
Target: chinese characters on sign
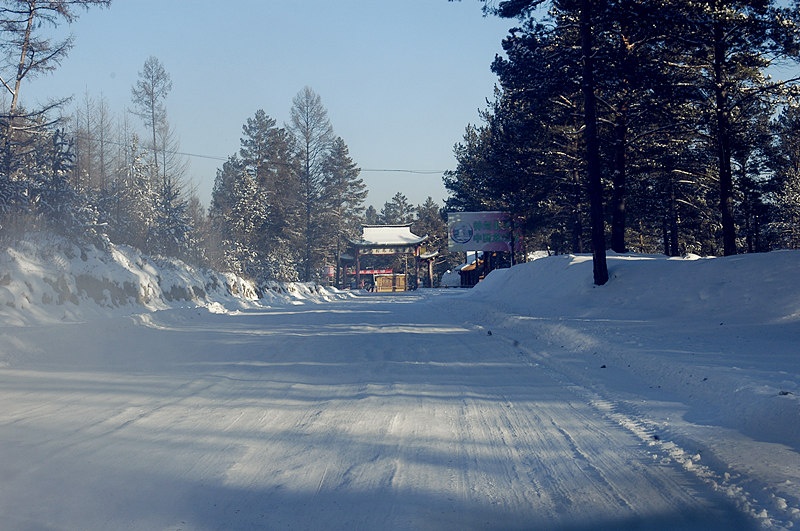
480 231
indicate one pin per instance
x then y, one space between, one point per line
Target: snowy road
379 412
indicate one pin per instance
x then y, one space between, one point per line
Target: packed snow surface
170 399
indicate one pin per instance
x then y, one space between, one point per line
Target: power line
197 156
224 159
420 172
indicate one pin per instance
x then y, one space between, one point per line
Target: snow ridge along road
378 412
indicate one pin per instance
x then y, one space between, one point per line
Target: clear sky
400 79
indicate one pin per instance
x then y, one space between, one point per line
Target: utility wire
419 172
224 159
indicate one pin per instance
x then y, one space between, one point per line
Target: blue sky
400 79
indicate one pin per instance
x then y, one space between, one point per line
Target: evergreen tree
785 164
663 86
28 53
397 211
243 252
431 222
587 13
200 239
268 154
171 234
371 216
60 206
343 195
468 185
730 44
135 198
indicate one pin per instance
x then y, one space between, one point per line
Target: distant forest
648 126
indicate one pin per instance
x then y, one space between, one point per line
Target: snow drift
47 279
753 288
741 312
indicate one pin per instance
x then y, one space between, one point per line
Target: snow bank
734 289
720 334
46 279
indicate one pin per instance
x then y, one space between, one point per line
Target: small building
388 240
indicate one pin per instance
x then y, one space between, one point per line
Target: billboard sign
479 231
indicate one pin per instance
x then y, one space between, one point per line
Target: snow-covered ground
140 394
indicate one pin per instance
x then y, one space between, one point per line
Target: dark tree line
652 126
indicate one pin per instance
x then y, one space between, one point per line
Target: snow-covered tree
172 230
785 162
238 216
27 52
342 201
132 211
268 154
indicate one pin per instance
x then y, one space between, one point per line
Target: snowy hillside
48 279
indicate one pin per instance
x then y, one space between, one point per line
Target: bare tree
314 134
25 52
148 96
174 165
94 144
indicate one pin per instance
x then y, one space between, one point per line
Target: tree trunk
577 224
593 169
10 124
670 218
23 57
618 197
723 144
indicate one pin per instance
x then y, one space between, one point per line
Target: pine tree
587 13
342 202
247 215
397 211
431 222
171 233
371 216
60 206
268 155
468 186
785 164
729 44
134 209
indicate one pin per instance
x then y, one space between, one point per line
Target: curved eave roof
388 236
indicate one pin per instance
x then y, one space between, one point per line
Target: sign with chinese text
386 250
375 272
480 231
